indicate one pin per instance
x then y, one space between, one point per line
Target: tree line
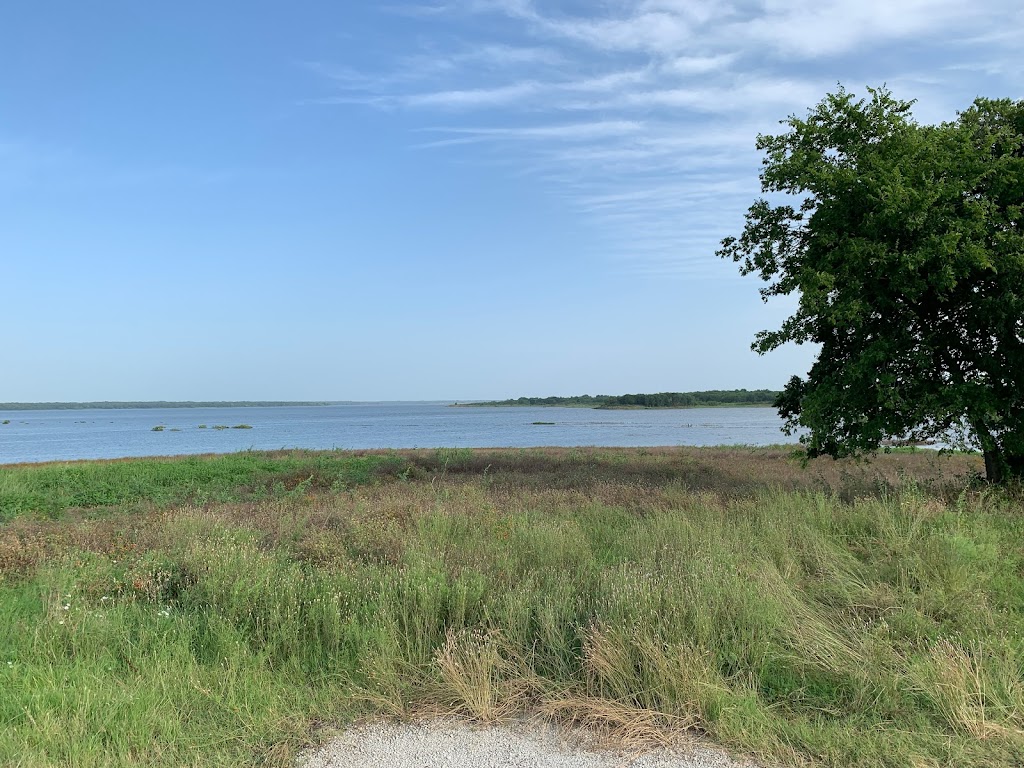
713 397
694 399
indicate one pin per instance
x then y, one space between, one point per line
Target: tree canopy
905 246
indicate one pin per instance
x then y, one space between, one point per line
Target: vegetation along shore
212 611
705 399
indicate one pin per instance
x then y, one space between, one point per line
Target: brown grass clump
972 700
27 544
614 723
483 676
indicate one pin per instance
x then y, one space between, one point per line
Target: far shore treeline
708 398
151 404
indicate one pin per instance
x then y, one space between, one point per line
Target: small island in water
706 399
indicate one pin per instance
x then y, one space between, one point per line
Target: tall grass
618 589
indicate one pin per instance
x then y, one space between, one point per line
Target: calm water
101 434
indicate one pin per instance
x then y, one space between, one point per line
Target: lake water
33 436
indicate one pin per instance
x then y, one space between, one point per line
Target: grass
53 489
219 610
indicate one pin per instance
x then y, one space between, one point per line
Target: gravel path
451 744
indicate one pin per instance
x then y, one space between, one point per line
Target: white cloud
652 32
643 113
813 28
489 57
699 65
569 131
722 98
475 97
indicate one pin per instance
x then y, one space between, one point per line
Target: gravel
452 744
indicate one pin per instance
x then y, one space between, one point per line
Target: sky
471 199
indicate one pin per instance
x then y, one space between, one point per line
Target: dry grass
969 695
483 676
615 724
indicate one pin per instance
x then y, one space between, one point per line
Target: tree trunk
1001 467
994 466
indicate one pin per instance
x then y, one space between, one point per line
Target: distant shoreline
713 398
612 407
126 405
677 407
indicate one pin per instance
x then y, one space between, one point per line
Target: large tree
905 245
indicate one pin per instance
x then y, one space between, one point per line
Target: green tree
905 246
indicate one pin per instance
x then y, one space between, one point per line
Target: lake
59 435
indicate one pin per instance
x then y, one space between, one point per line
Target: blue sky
466 199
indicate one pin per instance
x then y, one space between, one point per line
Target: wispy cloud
475 97
642 113
564 131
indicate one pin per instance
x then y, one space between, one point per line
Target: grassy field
217 611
